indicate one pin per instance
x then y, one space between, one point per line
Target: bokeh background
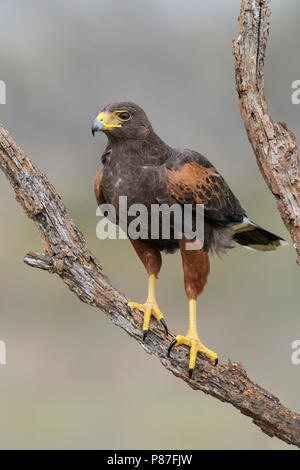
72 379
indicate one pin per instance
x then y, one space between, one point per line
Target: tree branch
66 254
273 144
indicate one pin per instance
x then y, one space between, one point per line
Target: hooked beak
97 126
105 121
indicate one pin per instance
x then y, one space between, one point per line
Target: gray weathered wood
67 255
273 144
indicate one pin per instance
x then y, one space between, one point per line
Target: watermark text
2 92
2 353
296 94
154 222
295 357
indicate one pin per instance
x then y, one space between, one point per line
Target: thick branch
274 145
66 254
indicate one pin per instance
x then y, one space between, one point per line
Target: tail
254 237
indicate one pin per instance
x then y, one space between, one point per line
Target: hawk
139 165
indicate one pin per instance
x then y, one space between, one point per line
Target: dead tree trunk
273 144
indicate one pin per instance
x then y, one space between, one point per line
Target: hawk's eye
123 115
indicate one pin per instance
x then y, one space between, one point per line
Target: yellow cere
109 120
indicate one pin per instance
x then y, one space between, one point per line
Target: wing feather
196 181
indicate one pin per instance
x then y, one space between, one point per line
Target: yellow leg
150 308
192 340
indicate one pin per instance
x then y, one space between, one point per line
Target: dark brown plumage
139 165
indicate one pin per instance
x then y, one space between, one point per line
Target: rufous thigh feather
196 268
149 255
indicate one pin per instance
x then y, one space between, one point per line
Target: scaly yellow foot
192 341
150 308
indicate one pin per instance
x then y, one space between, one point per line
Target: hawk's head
122 120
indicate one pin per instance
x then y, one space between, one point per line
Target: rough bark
273 144
67 255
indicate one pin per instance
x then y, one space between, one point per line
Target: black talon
216 362
172 344
162 321
145 332
129 311
191 372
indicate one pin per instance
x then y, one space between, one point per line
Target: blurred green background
72 379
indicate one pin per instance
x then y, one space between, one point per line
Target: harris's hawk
139 165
